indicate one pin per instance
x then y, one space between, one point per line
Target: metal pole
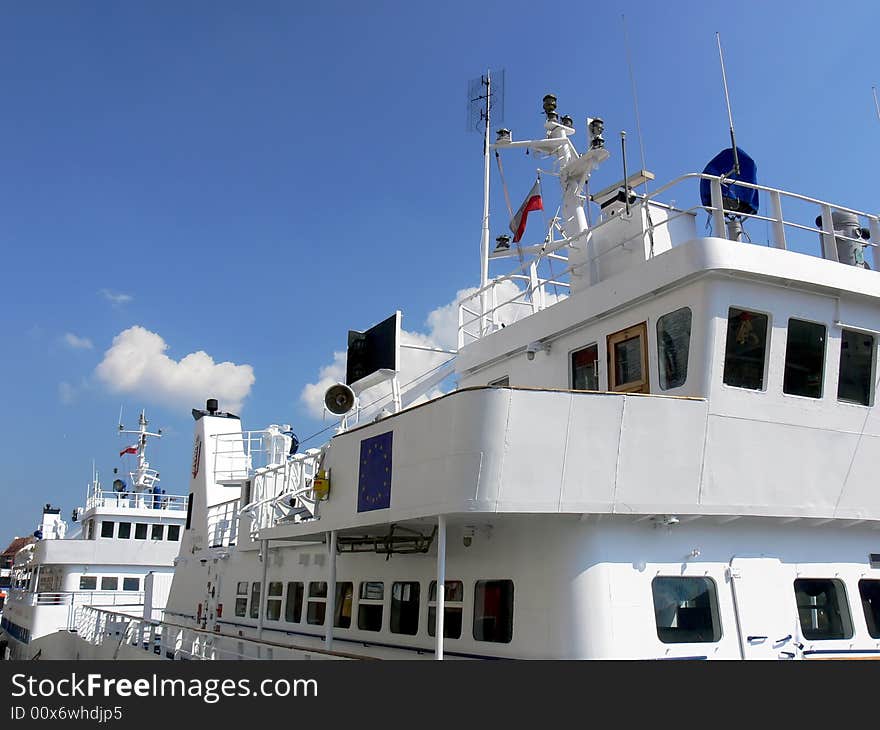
876 104
625 182
264 589
729 112
331 588
441 584
484 240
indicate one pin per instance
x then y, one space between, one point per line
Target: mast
143 477
484 239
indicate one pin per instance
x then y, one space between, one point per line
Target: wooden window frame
635 386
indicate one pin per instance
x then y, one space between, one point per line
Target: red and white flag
533 201
133 449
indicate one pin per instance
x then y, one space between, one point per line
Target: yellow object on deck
321 485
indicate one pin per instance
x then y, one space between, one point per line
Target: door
766 613
628 360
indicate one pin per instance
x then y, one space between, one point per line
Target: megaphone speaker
339 399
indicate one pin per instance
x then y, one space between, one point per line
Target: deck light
503 136
596 126
550 108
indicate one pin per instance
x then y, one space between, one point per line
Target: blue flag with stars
374 479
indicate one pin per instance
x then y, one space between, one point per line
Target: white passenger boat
666 449
121 557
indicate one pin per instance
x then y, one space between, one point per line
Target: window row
492 615
108 583
123 531
686 609
745 357
627 353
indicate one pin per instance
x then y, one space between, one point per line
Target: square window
822 608
140 532
405 608
493 611
686 610
746 349
107 529
109 583
173 533
585 368
157 532
131 584
124 532
88 583
804 359
856 368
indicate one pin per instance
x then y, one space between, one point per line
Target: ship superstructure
662 444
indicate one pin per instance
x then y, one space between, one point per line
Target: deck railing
223 523
139 500
800 232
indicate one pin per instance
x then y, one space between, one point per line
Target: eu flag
374 478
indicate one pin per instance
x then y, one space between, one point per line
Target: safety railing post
717 208
829 247
874 224
778 221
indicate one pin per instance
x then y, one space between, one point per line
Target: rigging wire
632 81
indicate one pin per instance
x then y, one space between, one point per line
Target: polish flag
533 201
130 450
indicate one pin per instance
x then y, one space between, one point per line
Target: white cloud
117 299
136 363
442 332
77 343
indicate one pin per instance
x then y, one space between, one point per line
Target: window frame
241 599
161 526
824 372
476 606
596 367
416 612
86 578
872 375
449 606
112 526
176 537
137 584
274 600
843 607
643 385
119 531
768 337
297 612
141 527
872 622
660 358
318 600
714 610
254 600
371 603
110 578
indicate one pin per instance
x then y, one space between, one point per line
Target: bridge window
131 584
452 609
107 529
869 590
124 532
685 610
493 611
140 532
317 607
822 608
273 601
241 592
585 368
804 359
157 532
255 599
294 606
173 533
342 609
109 583
628 360
856 365
405 608
88 582
746 349
370 605
673 344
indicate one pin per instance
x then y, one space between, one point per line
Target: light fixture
536 346
596 126
503 136
550 108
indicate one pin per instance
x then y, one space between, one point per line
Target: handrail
829 237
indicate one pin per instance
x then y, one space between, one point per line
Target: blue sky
251 180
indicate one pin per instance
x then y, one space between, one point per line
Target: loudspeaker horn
339 399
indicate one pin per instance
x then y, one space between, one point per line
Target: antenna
632 83
876 104
625 181
482 97
120 417
729 113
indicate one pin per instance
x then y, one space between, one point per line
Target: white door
766 611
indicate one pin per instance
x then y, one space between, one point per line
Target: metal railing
90 598
136 500
223 523
171 640
237 455
284 493
473 323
